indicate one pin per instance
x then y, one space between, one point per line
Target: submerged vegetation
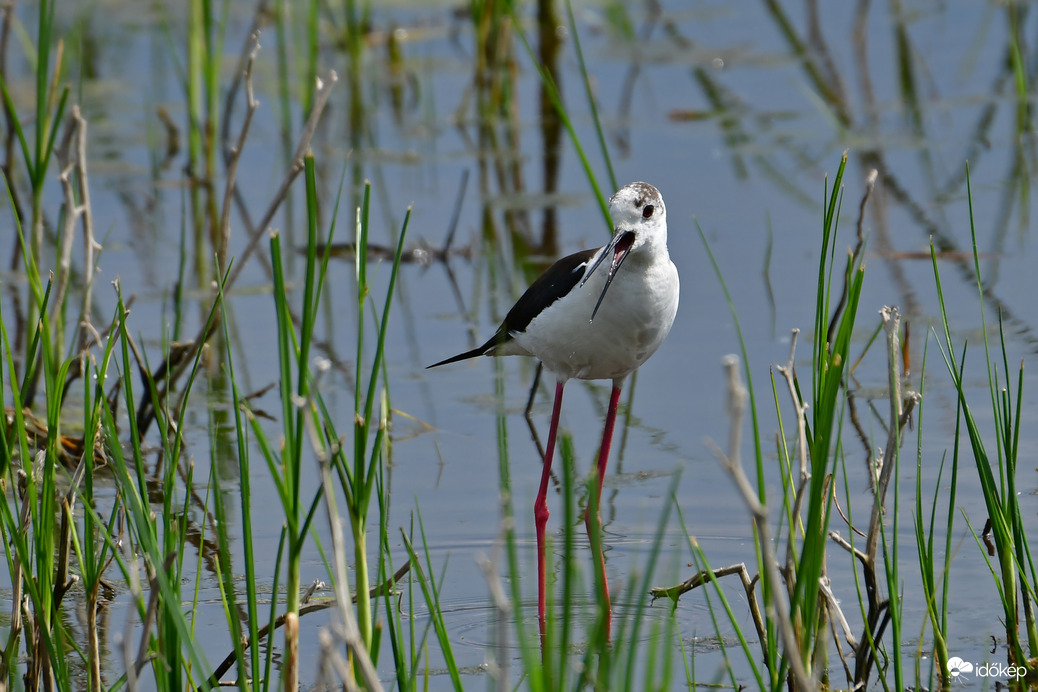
131 448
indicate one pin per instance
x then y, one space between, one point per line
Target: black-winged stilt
566 321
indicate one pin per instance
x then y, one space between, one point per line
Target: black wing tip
461 356
487 349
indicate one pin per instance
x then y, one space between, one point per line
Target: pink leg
603 460
540 505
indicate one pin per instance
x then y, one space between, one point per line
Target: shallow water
713 106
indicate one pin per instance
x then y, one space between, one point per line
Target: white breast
634 319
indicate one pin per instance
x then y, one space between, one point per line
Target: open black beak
617 250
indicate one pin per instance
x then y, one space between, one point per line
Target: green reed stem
592 103
556 98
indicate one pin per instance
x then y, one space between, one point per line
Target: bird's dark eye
647 211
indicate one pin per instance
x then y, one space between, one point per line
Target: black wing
553 284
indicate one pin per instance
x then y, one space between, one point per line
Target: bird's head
639 208
639 220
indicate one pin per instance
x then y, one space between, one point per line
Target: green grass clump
1004 535
802 629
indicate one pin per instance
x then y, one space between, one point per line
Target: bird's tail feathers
487 349
461 356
